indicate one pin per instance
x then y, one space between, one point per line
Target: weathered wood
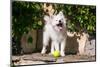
39 42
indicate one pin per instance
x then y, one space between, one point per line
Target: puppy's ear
46 19
61 13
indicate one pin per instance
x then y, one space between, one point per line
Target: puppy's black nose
60 21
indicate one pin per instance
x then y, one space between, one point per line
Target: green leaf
40 23
30 39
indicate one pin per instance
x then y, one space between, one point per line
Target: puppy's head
59 21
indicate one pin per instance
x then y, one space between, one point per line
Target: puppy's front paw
43 55
43 51
62 54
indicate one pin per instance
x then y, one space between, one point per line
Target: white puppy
55 29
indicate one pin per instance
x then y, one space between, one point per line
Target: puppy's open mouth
60 26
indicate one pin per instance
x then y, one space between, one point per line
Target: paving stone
37 58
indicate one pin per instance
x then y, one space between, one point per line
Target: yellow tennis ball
56 53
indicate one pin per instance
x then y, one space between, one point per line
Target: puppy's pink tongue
60 28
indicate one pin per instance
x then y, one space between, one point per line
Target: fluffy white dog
55 29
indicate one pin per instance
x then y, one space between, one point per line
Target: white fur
55 33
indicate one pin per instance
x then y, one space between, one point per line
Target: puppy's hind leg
45 42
